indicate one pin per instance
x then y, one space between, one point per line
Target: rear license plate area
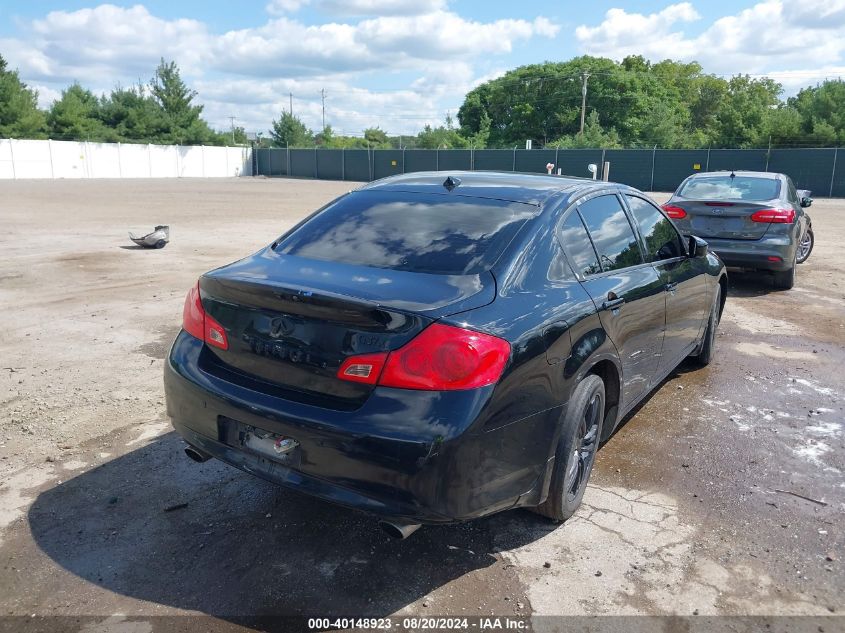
274 446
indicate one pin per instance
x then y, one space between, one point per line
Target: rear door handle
672 286
610 304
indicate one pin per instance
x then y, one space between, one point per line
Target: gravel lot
723 494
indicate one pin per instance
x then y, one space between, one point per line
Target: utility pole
290 94
232 120
323 97
584 77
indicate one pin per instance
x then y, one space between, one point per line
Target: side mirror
806 201
697 247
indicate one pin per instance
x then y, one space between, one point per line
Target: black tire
806 246
784 280
576 450
160 244
708 344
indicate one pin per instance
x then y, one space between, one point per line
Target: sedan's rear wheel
708 344
576 449
784 280
805 246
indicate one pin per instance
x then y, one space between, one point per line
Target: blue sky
398 64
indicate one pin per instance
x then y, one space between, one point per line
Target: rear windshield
426 233
727 188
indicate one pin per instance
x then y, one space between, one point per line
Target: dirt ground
722 495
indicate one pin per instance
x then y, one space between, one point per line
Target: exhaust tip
196 454
397 529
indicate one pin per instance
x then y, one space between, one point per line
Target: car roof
515 187
740 172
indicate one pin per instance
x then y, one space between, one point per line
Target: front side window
661 238
577 246
611 232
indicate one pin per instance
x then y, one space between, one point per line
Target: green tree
594 136
376 138
133 115
443 137
76 115
19 113
822 110
289 131
183 123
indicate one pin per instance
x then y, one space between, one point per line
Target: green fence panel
631 167
809 168
330 164
357 165
420 160
303 163
272 162
836 186
454 160
573 162
671 166
727 159
493 159
387 162
533 161
262 162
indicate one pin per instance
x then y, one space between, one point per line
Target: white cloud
280 7
769 35
249 72
286 47
380 7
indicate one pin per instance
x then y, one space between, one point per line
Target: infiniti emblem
280 326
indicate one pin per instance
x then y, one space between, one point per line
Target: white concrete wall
72 159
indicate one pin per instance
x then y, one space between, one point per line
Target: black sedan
434 348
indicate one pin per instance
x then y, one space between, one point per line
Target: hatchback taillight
197 323
774 216
676 213
440 358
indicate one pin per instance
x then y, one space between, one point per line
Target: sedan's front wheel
576 449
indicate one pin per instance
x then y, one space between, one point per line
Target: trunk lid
722 219
291 321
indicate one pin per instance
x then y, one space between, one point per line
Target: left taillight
440 358
199 324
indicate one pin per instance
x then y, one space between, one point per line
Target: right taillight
441 358
676 213
199 324
774 216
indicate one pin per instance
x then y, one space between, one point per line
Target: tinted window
727 188
576 244
612 234
450 235
661 239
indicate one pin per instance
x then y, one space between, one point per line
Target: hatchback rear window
426 233
727 188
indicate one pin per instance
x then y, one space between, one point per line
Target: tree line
161 111
632 103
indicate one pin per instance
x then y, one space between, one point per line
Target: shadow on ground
751 284
241 547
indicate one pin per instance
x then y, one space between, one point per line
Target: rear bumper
420 456
755 254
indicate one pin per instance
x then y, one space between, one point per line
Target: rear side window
577 246
426 233
727 188
661 239
611 232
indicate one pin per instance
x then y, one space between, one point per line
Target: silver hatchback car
752 220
